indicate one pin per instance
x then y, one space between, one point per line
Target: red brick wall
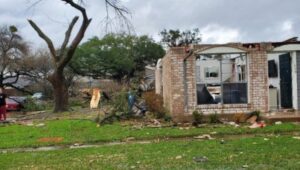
258 80
173 87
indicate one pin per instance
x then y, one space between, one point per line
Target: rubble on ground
296 137
258 125
205 136
231 123
252 119
200 159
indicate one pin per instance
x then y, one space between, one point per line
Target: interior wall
201 65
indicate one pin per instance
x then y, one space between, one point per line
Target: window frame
245 81
206 70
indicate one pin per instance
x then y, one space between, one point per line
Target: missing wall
221 79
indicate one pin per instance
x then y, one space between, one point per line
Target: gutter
185 80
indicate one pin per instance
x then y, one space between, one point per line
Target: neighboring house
158 77
148 82
230 78
149 75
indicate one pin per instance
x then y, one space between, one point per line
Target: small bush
120 109
167 118
112 88
197 118
154 103
34 105
214 118
239 118
75 102
97 119
255 113
120 102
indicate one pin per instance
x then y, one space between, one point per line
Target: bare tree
42 71
13 58
62 57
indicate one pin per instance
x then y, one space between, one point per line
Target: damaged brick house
230 78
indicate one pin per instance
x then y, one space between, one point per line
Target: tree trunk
60 89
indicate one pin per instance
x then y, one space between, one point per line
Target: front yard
276 152
86 131
171 147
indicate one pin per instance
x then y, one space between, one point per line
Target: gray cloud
219 20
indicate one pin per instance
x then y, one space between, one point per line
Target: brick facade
179 81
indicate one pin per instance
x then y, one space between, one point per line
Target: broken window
242 72
221 79
272 67
211 72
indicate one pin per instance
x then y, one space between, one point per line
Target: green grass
276 153
85 131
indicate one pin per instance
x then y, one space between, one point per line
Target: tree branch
80 34
78 7
18 88
68 35
9 77
14 76
120 10
45 38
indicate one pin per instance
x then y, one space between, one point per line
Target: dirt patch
51 139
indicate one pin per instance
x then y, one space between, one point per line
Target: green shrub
214 118
168 118
120 109
120 103
239 117
197 118
74 102
34 105
154 103
255 113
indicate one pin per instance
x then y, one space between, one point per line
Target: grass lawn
85 131
281 152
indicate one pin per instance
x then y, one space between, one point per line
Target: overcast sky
219 21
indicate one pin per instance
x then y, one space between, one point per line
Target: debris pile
253 120
205 136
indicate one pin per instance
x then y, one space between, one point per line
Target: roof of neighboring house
269 46
293 40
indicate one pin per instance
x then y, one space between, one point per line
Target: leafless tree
14 62
61 57
42 71
41 62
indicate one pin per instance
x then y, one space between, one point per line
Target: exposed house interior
231 78
221 78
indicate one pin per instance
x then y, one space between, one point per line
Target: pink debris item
258 125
